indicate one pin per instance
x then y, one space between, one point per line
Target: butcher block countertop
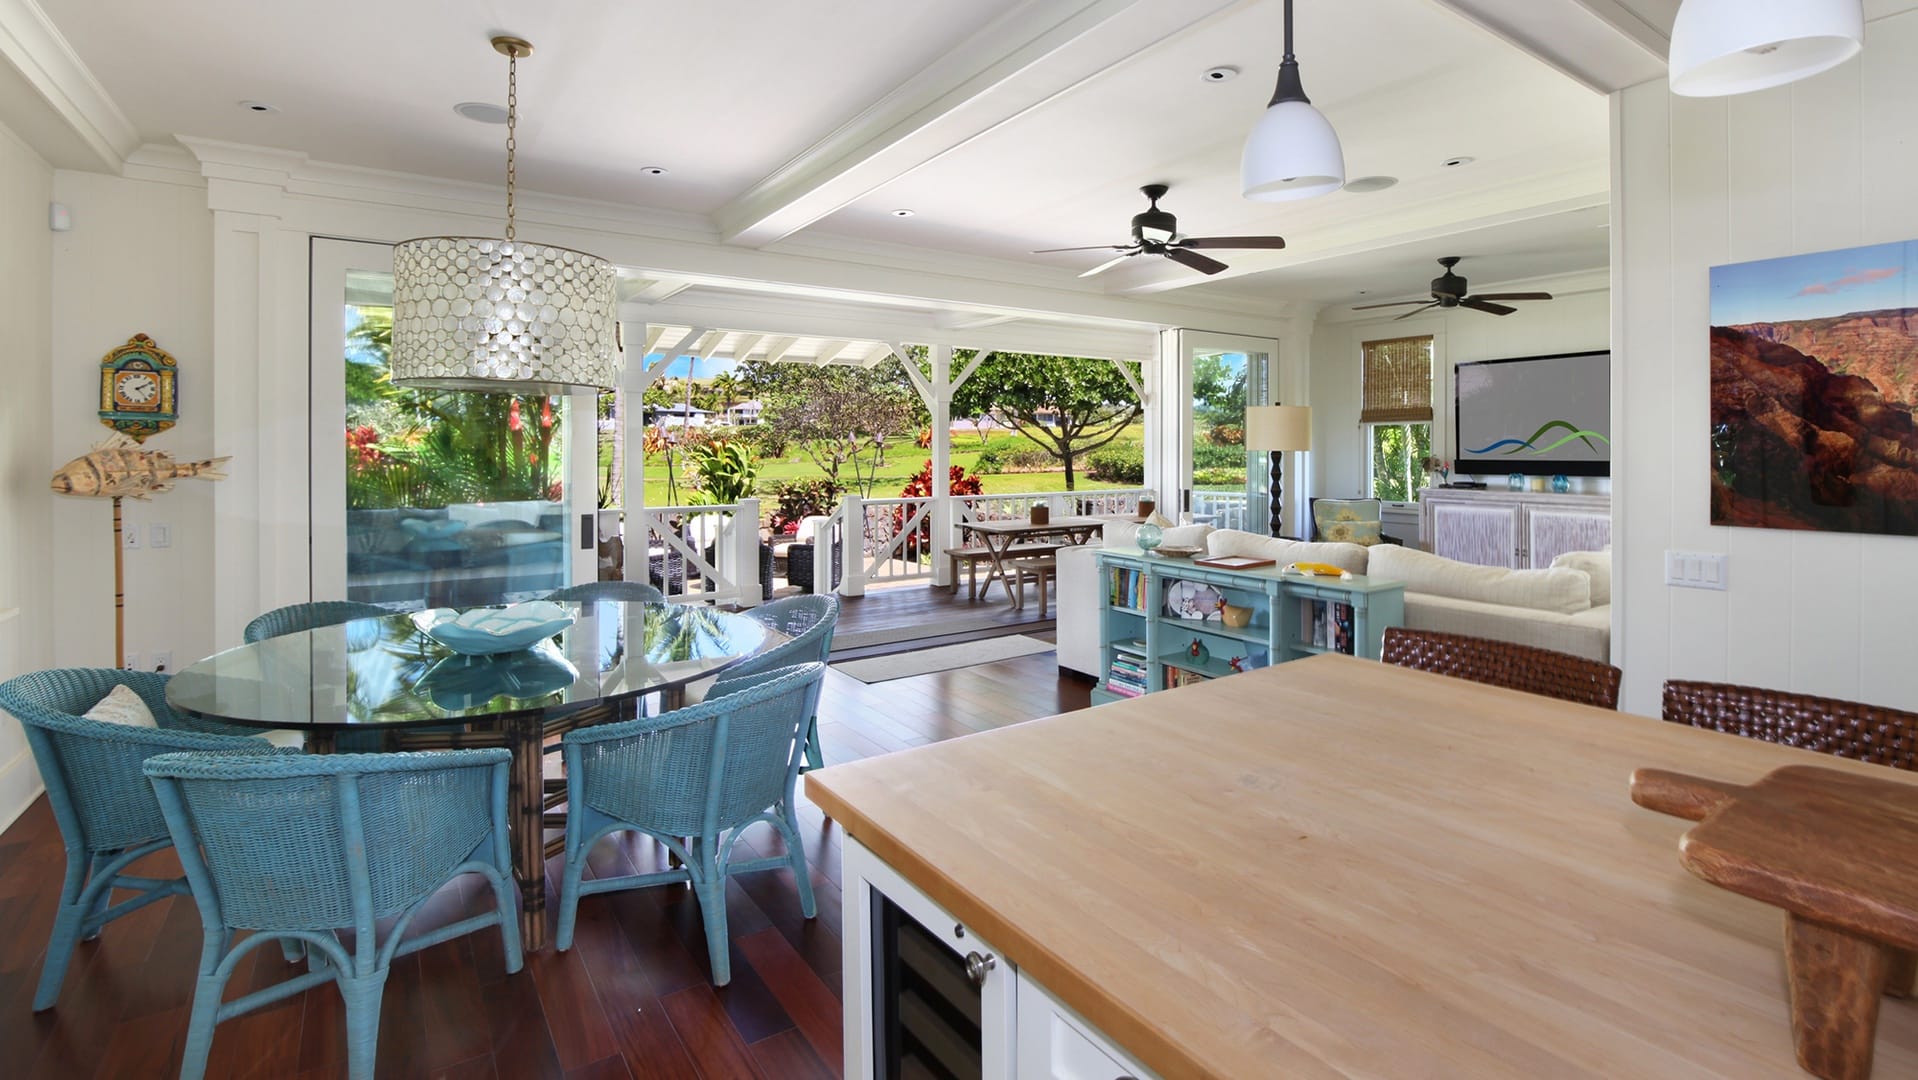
1336 868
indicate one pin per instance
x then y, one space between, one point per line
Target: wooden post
119 591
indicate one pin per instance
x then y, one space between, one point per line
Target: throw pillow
1352 532
1597 565
123 706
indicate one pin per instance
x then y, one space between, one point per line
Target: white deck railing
697 553
1221 508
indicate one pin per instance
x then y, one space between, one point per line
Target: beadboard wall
26 589
1827 163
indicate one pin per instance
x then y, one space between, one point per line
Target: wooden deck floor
632 998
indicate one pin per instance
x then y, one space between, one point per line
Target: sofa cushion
1587 633
1252 545
1123 536
1597 565
1562 590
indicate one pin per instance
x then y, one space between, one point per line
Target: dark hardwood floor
632 998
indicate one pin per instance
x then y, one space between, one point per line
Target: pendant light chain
512 126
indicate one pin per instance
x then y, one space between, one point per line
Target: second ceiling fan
1449 291
1156 232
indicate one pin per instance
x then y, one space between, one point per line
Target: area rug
905 665
866 639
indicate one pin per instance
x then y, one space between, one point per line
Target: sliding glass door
1222 484
429 498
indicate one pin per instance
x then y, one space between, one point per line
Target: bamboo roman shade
1396 381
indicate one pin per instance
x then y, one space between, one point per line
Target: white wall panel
1824 164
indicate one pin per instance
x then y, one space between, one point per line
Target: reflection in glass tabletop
388 672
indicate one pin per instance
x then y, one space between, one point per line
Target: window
1396 411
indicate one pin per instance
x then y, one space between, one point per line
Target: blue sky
1817 285
707 368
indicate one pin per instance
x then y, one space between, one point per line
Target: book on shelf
1176 677
1128 589
1126 675
1342 627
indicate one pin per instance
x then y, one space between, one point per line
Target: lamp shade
1724 47
501 316
1278 427
1292 153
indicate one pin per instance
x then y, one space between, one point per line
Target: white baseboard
19 786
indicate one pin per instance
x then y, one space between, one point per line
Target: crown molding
68 116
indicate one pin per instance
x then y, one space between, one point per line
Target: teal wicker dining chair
704 773
294 618
105 809
299 848
633 592
809 622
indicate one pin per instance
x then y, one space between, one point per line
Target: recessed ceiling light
1366 184
1457 162
902 212
652 170
484 112
1222 73
258 106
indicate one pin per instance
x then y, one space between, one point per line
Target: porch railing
1221 508
698 553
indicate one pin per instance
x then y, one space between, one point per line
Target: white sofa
1566 608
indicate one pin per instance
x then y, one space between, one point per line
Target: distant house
746 412
677 415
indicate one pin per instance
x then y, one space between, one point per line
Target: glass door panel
439 499
1225 483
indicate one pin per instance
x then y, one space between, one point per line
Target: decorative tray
1176 552
484 631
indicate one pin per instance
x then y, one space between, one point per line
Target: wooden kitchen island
1325 868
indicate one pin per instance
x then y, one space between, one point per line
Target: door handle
588 527
977 966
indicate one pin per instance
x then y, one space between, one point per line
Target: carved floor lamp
1277 429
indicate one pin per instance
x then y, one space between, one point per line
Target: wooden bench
1040 569
973 556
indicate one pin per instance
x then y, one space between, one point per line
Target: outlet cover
163 661
130 538
132 662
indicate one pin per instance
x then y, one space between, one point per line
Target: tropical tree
1069 405
841 418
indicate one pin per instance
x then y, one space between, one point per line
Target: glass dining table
385 683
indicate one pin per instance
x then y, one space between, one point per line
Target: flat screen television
1537 415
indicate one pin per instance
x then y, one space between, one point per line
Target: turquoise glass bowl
1149 537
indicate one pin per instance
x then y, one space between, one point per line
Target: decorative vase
1198 652
1238 618
1041 513
1148 537
1515 481
1562 484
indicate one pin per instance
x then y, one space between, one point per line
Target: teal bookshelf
1145 649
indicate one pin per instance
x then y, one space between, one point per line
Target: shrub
1227 435
988 463
796 500
1120 463
1218 478
1215 456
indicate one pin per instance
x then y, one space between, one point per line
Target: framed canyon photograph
1814 368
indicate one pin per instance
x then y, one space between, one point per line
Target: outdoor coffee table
998 537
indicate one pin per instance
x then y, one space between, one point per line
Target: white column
746 554
633 379
940 405
852 528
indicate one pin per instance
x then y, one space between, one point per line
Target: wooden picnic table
998 537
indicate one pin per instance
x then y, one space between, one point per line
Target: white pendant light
496 315
1292 153
1724 47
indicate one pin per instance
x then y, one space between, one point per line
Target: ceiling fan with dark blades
1449 291
1156 232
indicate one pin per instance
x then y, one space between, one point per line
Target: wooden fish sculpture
118 467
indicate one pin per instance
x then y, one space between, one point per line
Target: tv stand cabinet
1524 530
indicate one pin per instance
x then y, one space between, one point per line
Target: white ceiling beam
653 334
780 346
973 320
744 347
657 289
1018 62
877 325
1604 44
833 350
50 98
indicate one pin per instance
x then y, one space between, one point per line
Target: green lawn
902 464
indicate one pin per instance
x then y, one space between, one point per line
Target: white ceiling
1006 125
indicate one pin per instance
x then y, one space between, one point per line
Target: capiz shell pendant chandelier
498 315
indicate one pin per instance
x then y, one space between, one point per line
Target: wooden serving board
1839 853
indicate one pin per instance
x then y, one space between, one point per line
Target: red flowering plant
920 487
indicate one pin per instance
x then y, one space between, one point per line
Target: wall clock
138 389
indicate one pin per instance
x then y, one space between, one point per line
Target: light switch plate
159 535
1698 570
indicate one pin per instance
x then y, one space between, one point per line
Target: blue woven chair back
92 768
278 833
297 617
633 592
808 620
659 773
